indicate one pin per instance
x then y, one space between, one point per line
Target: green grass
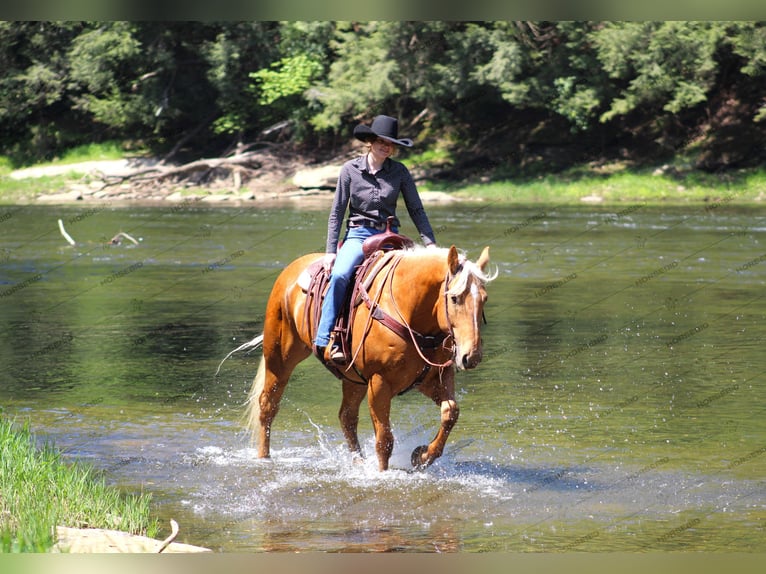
578 185
93 152
6 165
87 152
39 491
431 157
24 191
27 190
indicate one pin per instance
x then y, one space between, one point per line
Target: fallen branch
169 539
116 240
65 234
241 163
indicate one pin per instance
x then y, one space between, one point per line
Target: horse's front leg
353 395
441 389
379 400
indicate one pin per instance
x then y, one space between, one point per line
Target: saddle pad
304 279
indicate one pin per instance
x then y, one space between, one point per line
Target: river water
620 406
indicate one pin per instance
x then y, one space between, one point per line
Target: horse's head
465 296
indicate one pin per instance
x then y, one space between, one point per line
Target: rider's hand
327 262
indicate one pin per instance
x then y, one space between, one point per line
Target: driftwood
239 163
169 539
238 168
65 234
116 240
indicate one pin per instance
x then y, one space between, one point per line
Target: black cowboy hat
384 127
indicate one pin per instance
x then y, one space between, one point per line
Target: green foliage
749 42
663 65
288 77
506 63
229 58
360 75
577 104
97 55
229 124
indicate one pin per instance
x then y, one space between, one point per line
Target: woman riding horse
418 321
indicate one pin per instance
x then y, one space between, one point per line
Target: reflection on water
620 405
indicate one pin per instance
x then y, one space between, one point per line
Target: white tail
254 344
253 412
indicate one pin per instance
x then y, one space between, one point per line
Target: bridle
418 339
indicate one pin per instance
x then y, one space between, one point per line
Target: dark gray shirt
373 197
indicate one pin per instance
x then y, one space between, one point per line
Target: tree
34 85
199 88
360 74
750 43
103 62
284 87
237 50
668 66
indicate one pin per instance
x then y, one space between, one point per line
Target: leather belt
379 225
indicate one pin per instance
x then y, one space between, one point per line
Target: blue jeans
349 256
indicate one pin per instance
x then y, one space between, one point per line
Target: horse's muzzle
470 360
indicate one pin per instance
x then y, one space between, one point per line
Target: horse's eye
454 299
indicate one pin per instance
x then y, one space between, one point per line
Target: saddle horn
385 241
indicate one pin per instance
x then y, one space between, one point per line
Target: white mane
468 269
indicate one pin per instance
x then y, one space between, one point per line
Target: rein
415 336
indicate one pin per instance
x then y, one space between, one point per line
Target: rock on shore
97 541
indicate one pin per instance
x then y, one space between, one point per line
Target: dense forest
501 97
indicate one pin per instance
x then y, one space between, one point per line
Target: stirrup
336 355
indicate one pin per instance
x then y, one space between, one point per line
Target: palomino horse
435 294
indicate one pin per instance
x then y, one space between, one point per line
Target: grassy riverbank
624 185
13 191
39 491
673 183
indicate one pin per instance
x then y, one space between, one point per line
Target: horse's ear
483 259
453 261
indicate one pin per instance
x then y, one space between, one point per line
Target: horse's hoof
417 457
357 459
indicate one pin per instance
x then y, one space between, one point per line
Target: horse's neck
419 290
